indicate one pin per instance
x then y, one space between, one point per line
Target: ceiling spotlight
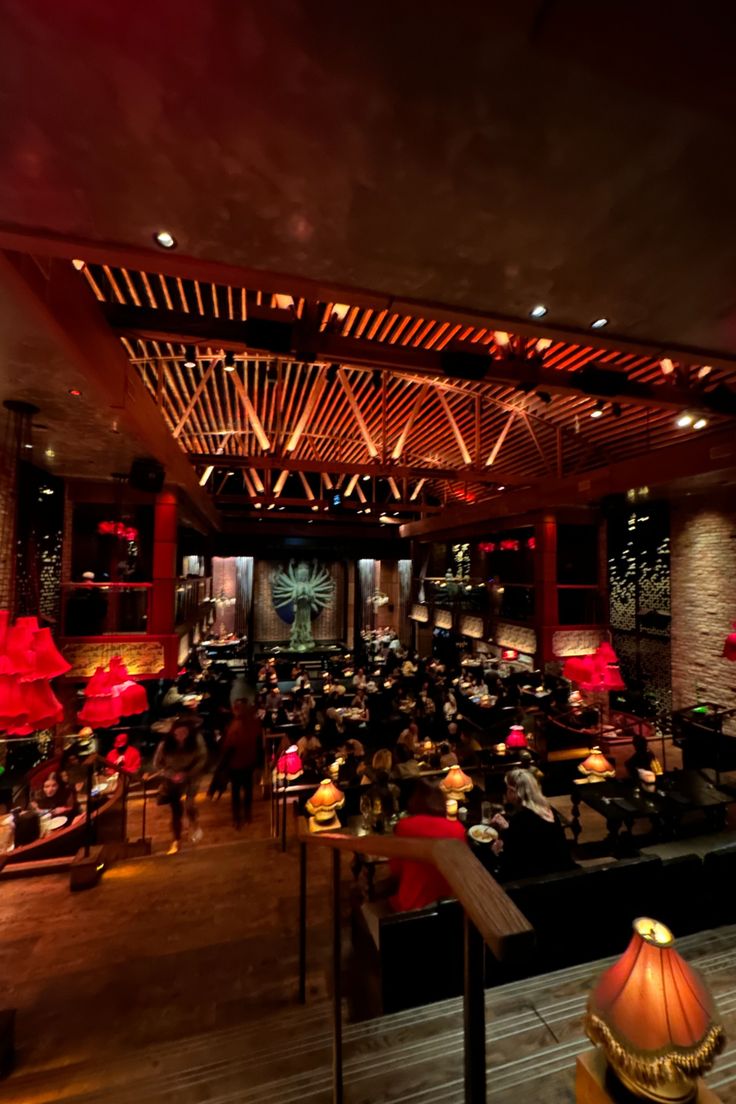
75 392
359 511
367 509
282 507
543 344
616 410
538 312
501 338
703 372
271 506
28 446
229 361
396 513
700 423
667 366
599 324
79 265
219 450
366 478
230 473
314 509
684 421
165 239
50 454
258 505
597 411
190 357
502 487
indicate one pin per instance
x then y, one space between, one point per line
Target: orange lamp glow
597 766
653 1016
322 805
456 783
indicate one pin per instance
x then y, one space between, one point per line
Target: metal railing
490 918
105 609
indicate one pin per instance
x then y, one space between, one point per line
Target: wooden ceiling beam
335 467
331 347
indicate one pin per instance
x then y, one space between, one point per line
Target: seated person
57 797
123 756
406 764
467 749
360 703
72 770
532 841
174 696
419 883
360 679
643 759
381 763
409 737
448 758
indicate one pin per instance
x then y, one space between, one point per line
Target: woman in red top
419 883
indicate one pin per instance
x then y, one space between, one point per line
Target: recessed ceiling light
599 324
366 478
684 421
229 361
231 473
315 509
165 239
701 423
538 312
258 505
79 265
704 371
502 488
667 366
367 509
501 338
543 344
271 506
28 445
597 411
190 357
50 453
75 392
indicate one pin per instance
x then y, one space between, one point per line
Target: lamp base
332 825
595 1085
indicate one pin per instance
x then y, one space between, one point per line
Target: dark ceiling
485 155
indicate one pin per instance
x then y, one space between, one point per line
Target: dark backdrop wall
40 526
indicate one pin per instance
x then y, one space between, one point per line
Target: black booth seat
578 916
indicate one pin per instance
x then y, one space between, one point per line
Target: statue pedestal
592 1086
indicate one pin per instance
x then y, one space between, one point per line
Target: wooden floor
175 980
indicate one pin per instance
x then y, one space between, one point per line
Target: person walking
239 757
181 758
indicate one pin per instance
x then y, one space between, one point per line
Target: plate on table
483 833
57 822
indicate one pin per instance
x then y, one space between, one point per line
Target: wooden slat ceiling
272 414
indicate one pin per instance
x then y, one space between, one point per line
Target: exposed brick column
161 611
545 586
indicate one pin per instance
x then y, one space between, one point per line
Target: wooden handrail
503 927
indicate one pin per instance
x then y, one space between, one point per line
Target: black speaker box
147 475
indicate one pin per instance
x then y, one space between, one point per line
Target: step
534 1033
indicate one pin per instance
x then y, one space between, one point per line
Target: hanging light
190 357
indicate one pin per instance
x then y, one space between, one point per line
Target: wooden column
161 611
545 586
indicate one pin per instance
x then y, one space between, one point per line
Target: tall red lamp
654 1019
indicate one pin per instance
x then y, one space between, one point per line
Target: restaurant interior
367 555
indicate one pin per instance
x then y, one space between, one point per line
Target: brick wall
7 525
703 534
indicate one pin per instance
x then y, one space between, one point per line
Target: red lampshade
43 708
4 622
101 711
12 701
597 765
456 783
516 737
729 646
654 1017
133 698
118 671
289 765
49 662
578 669
612 678
99 685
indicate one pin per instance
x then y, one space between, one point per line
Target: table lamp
289 765
322 805
456 783
596 767
516 738
654 1018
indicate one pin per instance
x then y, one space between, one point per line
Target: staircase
534 1034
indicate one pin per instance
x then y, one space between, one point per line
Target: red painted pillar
546 613
161 610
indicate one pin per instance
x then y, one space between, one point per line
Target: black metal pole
336 983
283 814
88 822
302 923
474 1015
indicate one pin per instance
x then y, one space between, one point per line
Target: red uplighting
509 546
75 392
117 529
509 653
531 543
487 546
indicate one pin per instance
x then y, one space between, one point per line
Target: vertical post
88 820
161 611
302 923
283 813
336 983
474 1016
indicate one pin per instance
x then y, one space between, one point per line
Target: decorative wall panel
419 613
472 627
443 619
140 657
576 642
517 637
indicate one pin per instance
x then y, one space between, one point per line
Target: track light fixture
597 411
229 361
190 357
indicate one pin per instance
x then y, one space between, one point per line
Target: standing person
239 757
181 758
